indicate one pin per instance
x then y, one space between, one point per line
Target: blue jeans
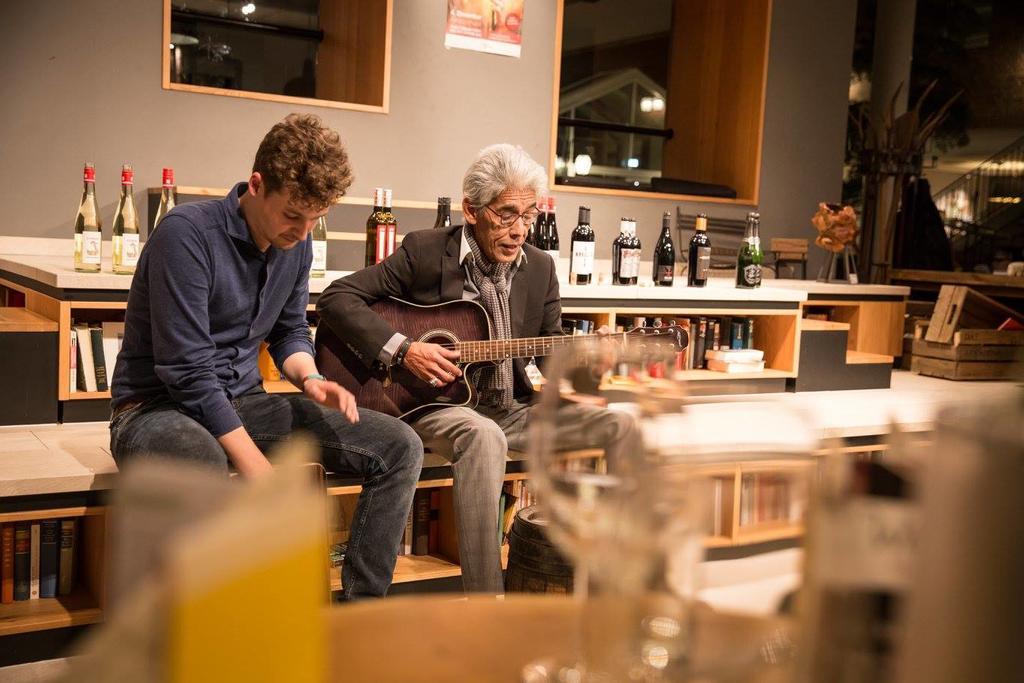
383 450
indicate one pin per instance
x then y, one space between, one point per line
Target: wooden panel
718 68
777 336
865 358
353 61
875 326
92 540
994 337
813 324
951 369
24 320
966 351
448 532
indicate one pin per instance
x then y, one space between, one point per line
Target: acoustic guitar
460 325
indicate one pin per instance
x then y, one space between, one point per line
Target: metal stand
830 271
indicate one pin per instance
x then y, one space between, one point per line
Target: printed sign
493 26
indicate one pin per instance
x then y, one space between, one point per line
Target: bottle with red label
126 227
88 226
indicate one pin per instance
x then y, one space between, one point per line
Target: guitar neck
527 347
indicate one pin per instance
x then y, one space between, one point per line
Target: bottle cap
89 172
127 175
168 177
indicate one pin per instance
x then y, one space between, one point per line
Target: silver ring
434 381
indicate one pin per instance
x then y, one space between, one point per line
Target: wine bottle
392 226
552 230
168 198
319 266
663 271
444 213
748 262
626 254
88 226
700 253
535 233
581 255
126 226
374 241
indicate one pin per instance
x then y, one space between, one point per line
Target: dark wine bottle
581 256
376 228
444 213
551 246
535 234
626 254
700 253
664 268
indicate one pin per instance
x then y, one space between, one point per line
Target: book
726 366
86 367
434 531
698 349
73 362
268 370
407 538
736 355
98 359
7 563
49 534
33 567
66 571
113 336
22 551
421 522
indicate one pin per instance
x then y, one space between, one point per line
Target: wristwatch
314 375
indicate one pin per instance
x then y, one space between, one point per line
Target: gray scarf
494 383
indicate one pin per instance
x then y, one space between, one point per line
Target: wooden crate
961 307
971 355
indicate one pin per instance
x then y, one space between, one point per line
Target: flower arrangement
836 226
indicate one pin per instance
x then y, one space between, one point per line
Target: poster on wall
493 26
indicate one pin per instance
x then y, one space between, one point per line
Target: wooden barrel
534 564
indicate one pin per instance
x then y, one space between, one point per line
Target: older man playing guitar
486 272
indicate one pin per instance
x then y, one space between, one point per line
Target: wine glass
616 518
633 523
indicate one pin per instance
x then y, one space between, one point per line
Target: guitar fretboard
526 347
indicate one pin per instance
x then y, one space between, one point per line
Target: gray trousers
477 442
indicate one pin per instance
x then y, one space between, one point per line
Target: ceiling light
248 8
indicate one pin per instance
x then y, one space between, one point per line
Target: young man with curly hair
218 278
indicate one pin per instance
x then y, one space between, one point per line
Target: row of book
515 495
94 349
37 559
767 497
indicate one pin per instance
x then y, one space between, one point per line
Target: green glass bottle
750 257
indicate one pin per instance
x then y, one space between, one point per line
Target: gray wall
81 81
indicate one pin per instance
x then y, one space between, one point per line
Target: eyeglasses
508 218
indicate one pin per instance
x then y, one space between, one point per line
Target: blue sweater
202 299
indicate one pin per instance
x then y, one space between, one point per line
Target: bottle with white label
626 254
581 255
126 227
88 226
551 243
319 266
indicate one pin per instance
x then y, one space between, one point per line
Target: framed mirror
328 53
664 102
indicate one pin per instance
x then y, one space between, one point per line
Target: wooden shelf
57 513
23 616
768 531
410 568
88 395
706 375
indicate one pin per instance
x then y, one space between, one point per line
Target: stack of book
735 360
37 559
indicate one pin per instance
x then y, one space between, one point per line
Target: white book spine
73 363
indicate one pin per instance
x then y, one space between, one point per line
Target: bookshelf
84 605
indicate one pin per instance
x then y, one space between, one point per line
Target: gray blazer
425 270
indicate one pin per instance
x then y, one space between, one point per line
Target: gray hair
502 167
